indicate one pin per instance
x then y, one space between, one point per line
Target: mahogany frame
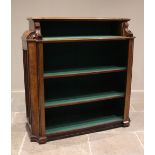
34 86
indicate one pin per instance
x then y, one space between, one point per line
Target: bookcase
77 74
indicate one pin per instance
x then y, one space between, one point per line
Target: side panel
26 82
32 51
36 92
128 84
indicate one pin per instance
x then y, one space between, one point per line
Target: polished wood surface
79 18
33 42
128 83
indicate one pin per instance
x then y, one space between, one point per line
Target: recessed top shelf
83 38
83 71
83 99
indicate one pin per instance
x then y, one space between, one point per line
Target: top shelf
79 18
83 38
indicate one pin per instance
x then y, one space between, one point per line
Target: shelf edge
84 73
84 102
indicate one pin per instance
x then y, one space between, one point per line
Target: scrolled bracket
31 35
125 30
37 34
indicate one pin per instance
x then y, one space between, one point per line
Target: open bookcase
77 74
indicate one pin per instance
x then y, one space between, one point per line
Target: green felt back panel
85 123
85 54
87 114
83 98
83 85
79 28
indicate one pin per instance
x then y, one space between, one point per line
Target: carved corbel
37 34
125 30
31 35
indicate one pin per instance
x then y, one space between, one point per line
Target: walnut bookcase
77 74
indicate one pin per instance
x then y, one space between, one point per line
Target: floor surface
119 141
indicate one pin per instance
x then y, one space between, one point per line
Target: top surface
78 18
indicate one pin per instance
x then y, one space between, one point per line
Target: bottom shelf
74 125
83 116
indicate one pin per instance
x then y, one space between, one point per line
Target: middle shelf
83 71
83 99
83 89
83 38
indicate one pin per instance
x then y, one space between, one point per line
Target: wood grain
128 83
33 87
41 92
32 42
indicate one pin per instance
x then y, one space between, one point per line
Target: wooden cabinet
77 74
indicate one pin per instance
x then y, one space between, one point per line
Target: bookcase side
126 120
34 89
37 131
